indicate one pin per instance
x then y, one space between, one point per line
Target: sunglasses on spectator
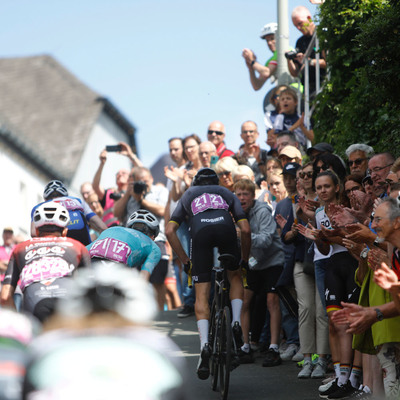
308 174
223 173
348 191
323 167
377 169
219 133
357 161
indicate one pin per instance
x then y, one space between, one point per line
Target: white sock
274 346
246 347
202 326
236 310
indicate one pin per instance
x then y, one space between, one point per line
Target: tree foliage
361 101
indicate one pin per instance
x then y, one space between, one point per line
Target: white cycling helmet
55 186
141 219
51 213
109 286
269 29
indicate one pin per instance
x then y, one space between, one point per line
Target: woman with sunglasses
224 168
326 161
339 282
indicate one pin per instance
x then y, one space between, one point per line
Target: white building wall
105 132
22 189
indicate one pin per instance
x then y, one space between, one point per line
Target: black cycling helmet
54 186
205 176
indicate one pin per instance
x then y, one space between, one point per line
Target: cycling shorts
40 297
161 269
222 236
340 284
264 280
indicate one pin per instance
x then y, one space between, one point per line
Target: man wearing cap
6 250
216 135
358 155
319 148
264 72
289 154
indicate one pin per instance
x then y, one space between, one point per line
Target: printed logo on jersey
211 220
43 251
208 201
111 249
43 269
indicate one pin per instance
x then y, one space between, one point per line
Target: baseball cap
321 147
290 169
291 152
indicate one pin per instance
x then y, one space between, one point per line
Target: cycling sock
202 326
336 367
355 376
344 374
236 309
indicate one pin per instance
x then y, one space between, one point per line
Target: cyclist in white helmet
44 264
99 344
260 73
133 246
80 213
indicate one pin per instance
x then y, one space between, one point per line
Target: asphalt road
250 381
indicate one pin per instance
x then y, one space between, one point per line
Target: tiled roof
48 112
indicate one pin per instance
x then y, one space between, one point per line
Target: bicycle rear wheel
225 342
213 342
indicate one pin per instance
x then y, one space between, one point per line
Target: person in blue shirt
133 246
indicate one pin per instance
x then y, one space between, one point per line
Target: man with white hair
206 151
358 155
302 20
255 68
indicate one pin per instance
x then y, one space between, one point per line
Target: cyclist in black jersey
211 210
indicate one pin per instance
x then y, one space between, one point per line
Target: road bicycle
220 337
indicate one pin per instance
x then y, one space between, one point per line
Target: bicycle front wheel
213 342
225 341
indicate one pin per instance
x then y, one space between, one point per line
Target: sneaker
298 356
245 358
319 370
343 391
306 371
203 367
186 311
237 334
290 351
360 394
327 389
282 347
272 358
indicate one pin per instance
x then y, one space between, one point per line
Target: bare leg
275 316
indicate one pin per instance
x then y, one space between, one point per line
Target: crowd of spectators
324 268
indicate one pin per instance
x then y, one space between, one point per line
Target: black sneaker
272 358
344 391
186 311
330 390
203 367
245 358
237 334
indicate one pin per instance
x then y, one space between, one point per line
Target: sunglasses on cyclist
357 161
219 133
308 174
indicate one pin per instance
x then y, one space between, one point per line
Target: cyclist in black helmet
79 212
212 211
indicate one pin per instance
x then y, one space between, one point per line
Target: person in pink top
6 250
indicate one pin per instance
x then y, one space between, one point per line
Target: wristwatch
379 315
364 253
